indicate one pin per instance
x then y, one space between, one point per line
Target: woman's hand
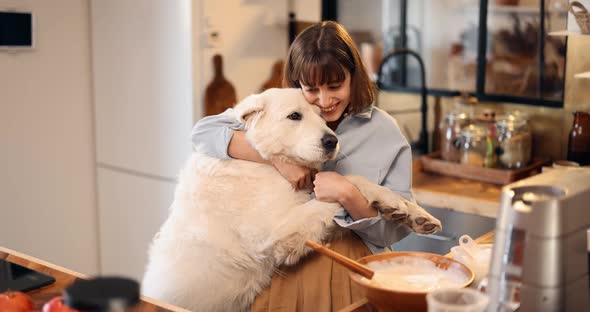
331 187
300 177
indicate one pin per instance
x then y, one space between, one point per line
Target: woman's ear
249 107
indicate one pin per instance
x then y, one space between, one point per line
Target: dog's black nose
329 142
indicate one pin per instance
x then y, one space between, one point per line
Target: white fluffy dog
233 222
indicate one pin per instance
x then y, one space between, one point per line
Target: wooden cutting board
220 94
276 77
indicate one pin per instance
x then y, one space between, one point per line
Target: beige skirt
316 283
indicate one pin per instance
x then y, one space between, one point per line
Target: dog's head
280 123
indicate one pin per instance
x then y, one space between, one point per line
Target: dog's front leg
394 207
312 220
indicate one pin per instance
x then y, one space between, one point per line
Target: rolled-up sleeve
395 173
399 176
376 230
211 135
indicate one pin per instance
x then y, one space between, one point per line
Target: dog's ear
248 107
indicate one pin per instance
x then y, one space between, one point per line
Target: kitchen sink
455 224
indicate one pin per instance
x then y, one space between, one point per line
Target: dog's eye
294 116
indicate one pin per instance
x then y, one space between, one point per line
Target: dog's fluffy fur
233 222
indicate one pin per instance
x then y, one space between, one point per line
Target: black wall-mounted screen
16 29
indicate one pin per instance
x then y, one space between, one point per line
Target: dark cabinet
497 50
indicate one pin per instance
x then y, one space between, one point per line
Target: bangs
323 54
318 70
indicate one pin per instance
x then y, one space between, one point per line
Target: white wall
253 35
47 198
307 10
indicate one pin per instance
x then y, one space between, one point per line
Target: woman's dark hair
320 54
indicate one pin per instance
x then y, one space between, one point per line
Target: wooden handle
217 65
345 261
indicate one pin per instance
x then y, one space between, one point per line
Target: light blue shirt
371 145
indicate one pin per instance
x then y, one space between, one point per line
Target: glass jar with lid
473 145
514 141
466 104
450 131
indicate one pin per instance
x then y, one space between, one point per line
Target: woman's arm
333 187
300 177
212 135
222 136
240 148
373 228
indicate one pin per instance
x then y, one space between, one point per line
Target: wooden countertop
463 195
64 277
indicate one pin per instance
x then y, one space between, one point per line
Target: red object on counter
57 305
16 301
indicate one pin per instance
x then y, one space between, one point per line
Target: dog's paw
413 215
395 207
290 250
397 211
296 255
421 221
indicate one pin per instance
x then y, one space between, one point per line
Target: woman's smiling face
332 98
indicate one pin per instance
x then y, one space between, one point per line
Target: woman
325 64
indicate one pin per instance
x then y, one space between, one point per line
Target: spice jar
466 104
514 142
487 120
473 145
450 131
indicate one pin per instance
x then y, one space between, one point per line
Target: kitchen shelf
565 33
521 9
562 33
473 21
585 75
518 9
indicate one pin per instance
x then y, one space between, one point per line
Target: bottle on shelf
578 149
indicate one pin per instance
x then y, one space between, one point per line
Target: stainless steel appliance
539 262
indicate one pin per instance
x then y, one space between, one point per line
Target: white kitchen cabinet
143 63
132 210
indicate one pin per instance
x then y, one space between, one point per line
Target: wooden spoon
345 261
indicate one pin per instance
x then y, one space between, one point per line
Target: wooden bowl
386 299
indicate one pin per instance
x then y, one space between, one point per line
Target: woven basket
582 16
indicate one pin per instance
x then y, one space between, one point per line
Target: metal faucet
422 143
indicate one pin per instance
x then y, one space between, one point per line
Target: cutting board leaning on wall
220 94
276 77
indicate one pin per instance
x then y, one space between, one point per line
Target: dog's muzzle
329 142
